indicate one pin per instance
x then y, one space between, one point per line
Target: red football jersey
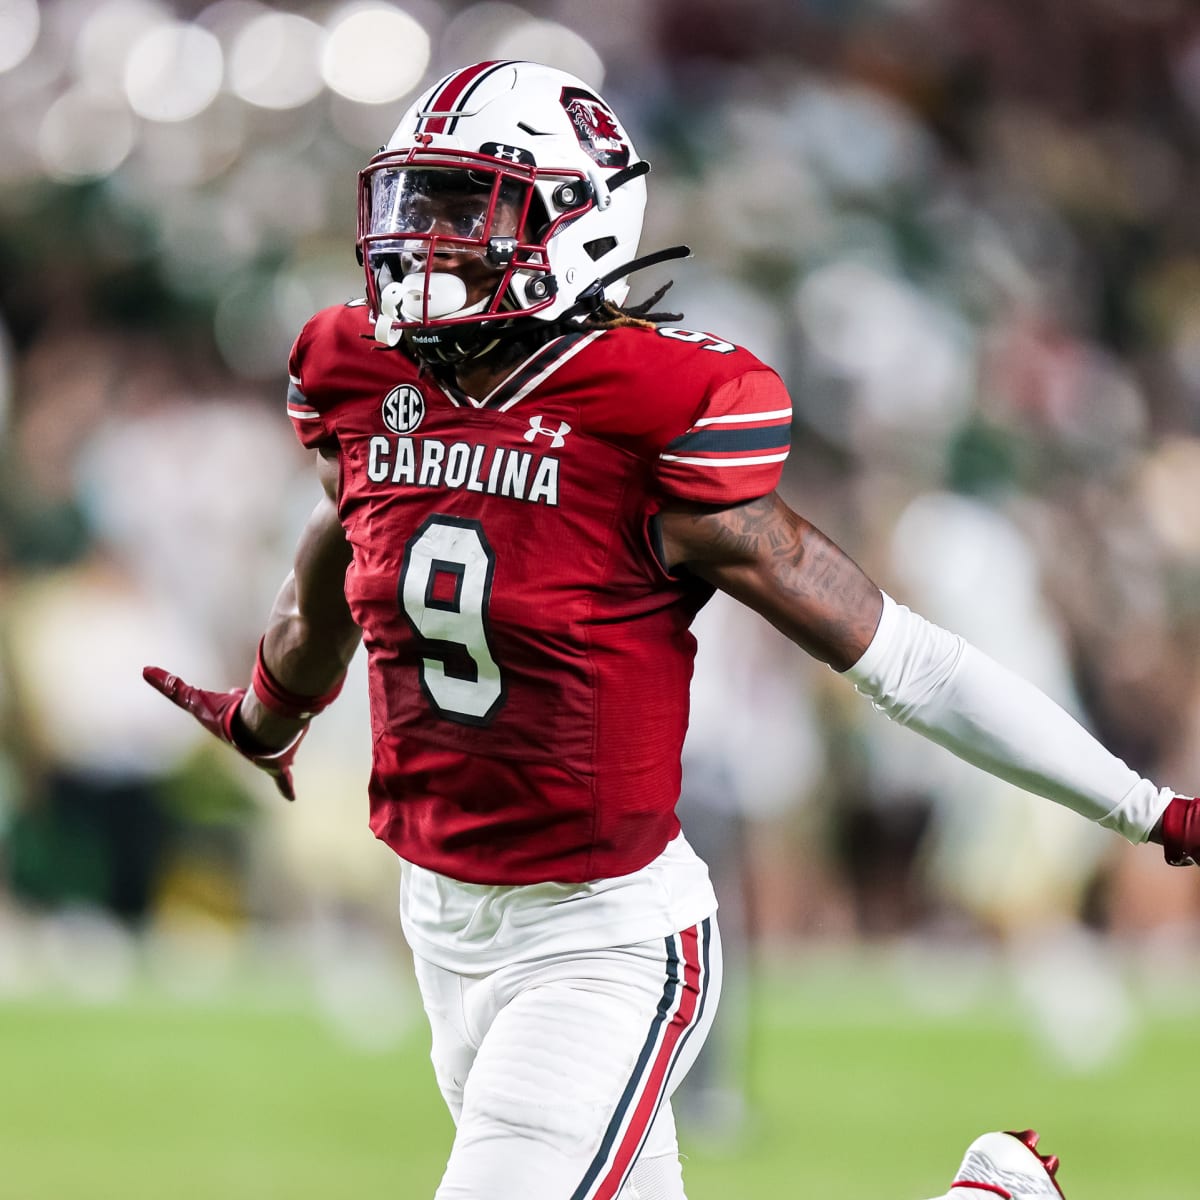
529 657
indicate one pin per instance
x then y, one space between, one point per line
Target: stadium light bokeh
173 72
20 21
176 113
374 54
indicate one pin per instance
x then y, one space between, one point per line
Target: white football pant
558 1071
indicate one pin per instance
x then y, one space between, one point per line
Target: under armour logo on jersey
558 437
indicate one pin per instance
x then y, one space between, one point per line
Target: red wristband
275 698
1181 831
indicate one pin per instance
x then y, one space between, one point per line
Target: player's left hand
1181 832
218 713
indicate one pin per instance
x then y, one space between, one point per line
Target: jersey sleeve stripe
745 418
735 445
297 403
756 461
762 437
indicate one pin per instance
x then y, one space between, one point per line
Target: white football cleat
1007 1165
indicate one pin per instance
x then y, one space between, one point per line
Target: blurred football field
860 1087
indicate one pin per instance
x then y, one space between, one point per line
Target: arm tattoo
731 535
762 530
776 562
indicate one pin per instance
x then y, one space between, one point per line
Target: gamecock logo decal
596 127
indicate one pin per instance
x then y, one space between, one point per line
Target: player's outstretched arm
302 659
774 561
765 555
310 636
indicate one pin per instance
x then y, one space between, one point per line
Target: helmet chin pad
421 300
426 297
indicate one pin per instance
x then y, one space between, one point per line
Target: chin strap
591 299
450 345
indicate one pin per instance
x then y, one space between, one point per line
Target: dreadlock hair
524 337
608 315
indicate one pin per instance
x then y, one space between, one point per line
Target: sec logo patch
403 408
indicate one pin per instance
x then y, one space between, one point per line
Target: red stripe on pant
647 1104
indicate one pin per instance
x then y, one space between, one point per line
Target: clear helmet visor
452 241
418 209
431 234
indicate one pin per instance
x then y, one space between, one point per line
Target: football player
530 489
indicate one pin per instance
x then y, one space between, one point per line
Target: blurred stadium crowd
965 231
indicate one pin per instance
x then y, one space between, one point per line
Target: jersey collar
527 375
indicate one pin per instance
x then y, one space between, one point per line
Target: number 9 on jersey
444 591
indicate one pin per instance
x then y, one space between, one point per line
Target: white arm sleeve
941 686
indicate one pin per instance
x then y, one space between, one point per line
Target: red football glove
217 712
1181 832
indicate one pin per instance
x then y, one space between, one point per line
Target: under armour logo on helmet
558 437
512 154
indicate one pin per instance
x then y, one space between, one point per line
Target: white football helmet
506 191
